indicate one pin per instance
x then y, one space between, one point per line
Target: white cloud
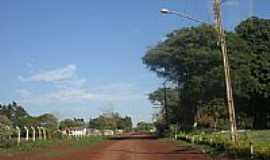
119 92
72 95
64 78
54 76
59 96
68 88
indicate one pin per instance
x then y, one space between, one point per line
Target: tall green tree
256 32
157 98
191 58
188 57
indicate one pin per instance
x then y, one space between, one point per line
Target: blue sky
81 58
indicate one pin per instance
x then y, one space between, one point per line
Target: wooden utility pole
165 103
229 93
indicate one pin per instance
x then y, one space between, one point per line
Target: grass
71 143
218 142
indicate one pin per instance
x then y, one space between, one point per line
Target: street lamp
165 11
182 15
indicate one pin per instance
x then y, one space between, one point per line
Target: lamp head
164 11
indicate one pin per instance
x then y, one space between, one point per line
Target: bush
5 136
6 142
221 142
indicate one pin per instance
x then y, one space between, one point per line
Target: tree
71 123
191 58
48 121
111 121
125 123
157 98
5 130
256 32
186 58
14 112
143 126
213 115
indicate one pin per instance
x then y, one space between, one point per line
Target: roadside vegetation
193 99
14 116
67 142
144 127
252 144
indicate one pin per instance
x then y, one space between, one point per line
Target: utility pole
229 93
165 103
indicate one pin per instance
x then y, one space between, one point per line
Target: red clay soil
120 149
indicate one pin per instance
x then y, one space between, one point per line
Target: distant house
75 131
78 132
108 132
93 132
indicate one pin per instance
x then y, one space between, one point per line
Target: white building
108 132
93 132
76 131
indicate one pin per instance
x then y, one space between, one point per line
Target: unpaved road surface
139 148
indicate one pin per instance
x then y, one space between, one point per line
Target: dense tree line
13 115
111 121
72 123
144 126
190 58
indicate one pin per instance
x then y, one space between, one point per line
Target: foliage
55 142
157 98
13 112
191 59
13 115
71 123
220 141
111 121
143 126
213 115
5 131
256 32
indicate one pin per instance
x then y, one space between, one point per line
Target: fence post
193 139
44 133
252 151
27 133
9 135
33 133
39 133
18 135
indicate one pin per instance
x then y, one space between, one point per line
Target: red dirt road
122 149
148 149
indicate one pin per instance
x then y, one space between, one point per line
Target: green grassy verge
218 142
46 144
